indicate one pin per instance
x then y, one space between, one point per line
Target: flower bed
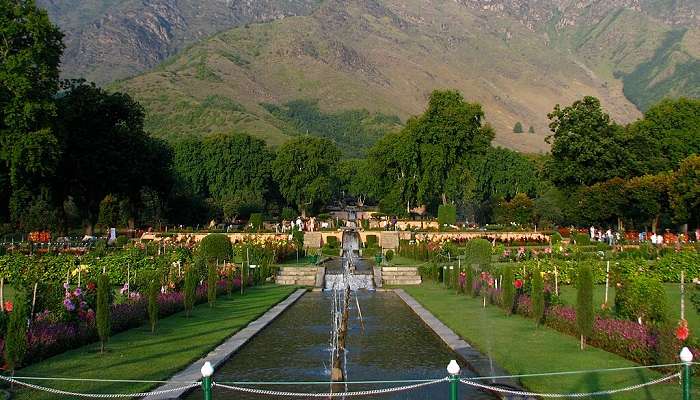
48 337
626 338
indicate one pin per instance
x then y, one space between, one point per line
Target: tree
531 129
153 292
537 296
587 147
584 302
647 197
305 169
518 128
30 54
685 191
447 214
190 289
212 278
109 212
668 133
102 317
508 292
106 151
601 203
16 337
359 180
447 132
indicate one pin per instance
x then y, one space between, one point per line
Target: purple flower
69 305
65 285
77 292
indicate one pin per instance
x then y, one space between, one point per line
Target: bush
447 214
216 247
389 255
122 241
288 214
332 242
668 268
641 297
584 303
581 239
556 238
372 241
478 251
256 221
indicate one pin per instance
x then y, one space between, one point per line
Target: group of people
609 237
308 225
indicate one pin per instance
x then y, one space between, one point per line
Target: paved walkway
477 362
224 351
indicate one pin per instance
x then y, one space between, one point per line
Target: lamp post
687 358
207 371
453 369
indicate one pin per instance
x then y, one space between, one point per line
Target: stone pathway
224 351
477 362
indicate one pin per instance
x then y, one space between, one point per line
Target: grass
138 354
673 301
522 348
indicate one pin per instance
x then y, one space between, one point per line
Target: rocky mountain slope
517 57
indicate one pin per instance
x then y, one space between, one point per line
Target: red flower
682 332
91 286
9 306
518 283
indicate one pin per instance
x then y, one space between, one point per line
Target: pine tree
531 129
584 303
469 281
508 290
16 338
518 128
102 313
212 276
537 296
190 289
153 292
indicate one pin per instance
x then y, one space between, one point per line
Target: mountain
350 70
114 39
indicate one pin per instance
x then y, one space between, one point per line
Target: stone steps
397 276
302 276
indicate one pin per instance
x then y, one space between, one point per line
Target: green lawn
138 354
521 348
673 301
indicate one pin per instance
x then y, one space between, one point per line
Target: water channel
389 343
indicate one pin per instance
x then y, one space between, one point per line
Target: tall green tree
518 127
102 314
30 52
647 198
153 292
537 295
105 150
447 132
584 302
685 191
190 289
359 180
587 147
305 169
16 338
508 292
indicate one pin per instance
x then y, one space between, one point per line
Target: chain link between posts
98 395
339 394
568 395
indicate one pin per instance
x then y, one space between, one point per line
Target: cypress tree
508 290
153 291
102 313
469 280
190 289
537 296
212 276
16 338
518 127
584 303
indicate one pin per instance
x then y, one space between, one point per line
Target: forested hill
517 57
